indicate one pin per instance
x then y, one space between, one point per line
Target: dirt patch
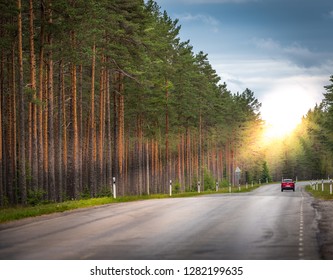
325 226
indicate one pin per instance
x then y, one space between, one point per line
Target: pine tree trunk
63 128
45 135
92 136
147 169
115 162
34 146
121 130
101 131
80 127
167 170
108 160
50 124
140 153
40 139
22 159
75 139
11 141
59 146
179 161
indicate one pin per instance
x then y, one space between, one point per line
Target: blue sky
281 49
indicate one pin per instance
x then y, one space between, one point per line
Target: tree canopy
108 89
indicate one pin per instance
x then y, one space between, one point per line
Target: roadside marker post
331 186
170 188
229 187
199 185
114 187
322 185
217 186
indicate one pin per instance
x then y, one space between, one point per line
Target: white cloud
295 53
206 19
198 17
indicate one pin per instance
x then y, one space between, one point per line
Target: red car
287 184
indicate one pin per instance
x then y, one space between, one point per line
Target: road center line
301 228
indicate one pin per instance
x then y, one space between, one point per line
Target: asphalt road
260 225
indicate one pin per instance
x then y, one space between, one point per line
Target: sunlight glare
282 111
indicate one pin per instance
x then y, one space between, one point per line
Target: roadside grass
8 214
319 194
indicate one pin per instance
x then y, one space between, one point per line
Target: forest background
95 90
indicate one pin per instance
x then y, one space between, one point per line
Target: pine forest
95 90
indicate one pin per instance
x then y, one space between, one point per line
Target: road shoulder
325 226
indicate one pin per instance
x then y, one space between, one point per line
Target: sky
282 50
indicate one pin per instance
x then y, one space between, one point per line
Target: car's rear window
287 180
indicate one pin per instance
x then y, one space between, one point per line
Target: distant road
263 224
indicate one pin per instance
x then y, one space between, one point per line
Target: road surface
263 224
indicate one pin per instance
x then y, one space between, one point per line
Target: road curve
263 224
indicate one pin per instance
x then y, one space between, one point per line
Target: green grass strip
319 194
20 212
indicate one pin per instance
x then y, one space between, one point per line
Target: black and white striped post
114 191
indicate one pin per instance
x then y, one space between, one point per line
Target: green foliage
176 188
265 175
224 183
209 181
36 197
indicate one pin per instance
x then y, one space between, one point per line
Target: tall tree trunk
45 135
101 131
108 160
75 140
115 162
11 139
139 152
121 133
63 128
147 169
22 167
50 124
80 126
167 136
60 143
34 144
179 160
40 106
92 137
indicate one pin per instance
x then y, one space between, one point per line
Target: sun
282 111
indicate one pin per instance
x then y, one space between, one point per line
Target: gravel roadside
325 226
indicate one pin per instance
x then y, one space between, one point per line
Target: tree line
91 90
